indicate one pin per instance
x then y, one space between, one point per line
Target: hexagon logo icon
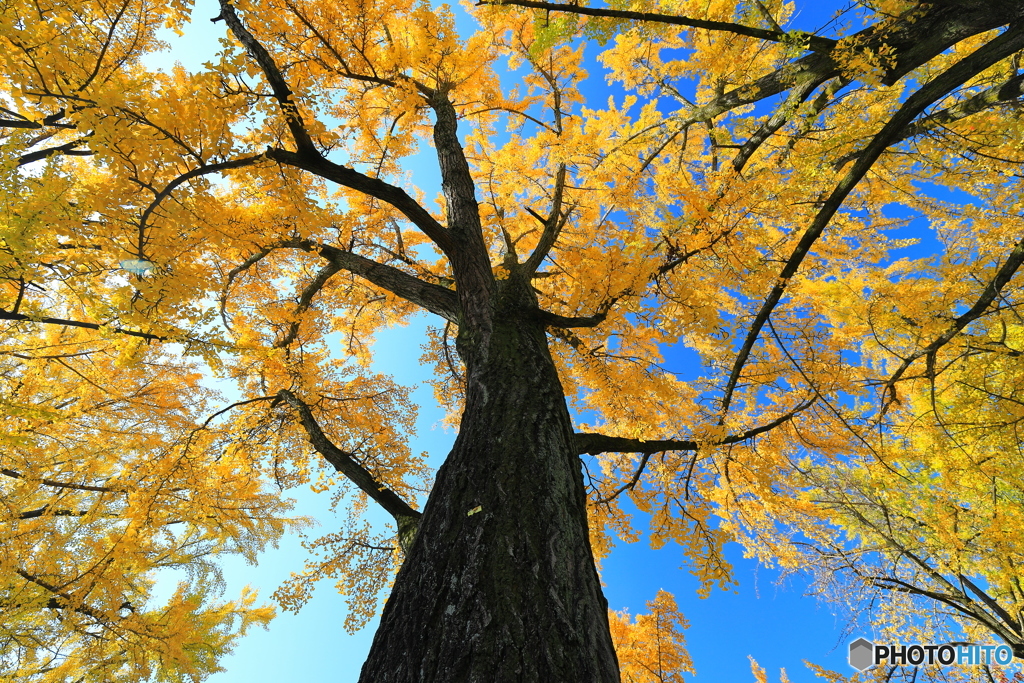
861 654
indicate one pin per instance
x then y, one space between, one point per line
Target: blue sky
776 624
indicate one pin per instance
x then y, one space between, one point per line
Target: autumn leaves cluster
683 199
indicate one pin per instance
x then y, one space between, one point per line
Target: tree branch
307 157
813 42
236 404
67 148
988 295
21 121
988 54
434 298
278 84
776 121
233 273
330 48
594 444
552 225
894 584
969 607
913 40
12 123
1008 91
960 602
344 462
992 604
350 178
185 177
470 262
306 300
45 510
7 315
629 484
59 484
555 320
68 600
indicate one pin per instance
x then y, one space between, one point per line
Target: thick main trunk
500 584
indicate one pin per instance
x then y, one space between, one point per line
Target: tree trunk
500 583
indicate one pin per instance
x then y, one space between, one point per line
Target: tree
651 647
254 215
99 494
931 506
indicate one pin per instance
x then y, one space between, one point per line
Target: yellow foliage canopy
732 195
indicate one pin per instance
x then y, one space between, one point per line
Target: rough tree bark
500 583
508 593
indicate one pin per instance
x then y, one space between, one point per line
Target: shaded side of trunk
500 583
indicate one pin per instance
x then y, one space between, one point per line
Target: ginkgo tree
931 506
253 220
99 496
